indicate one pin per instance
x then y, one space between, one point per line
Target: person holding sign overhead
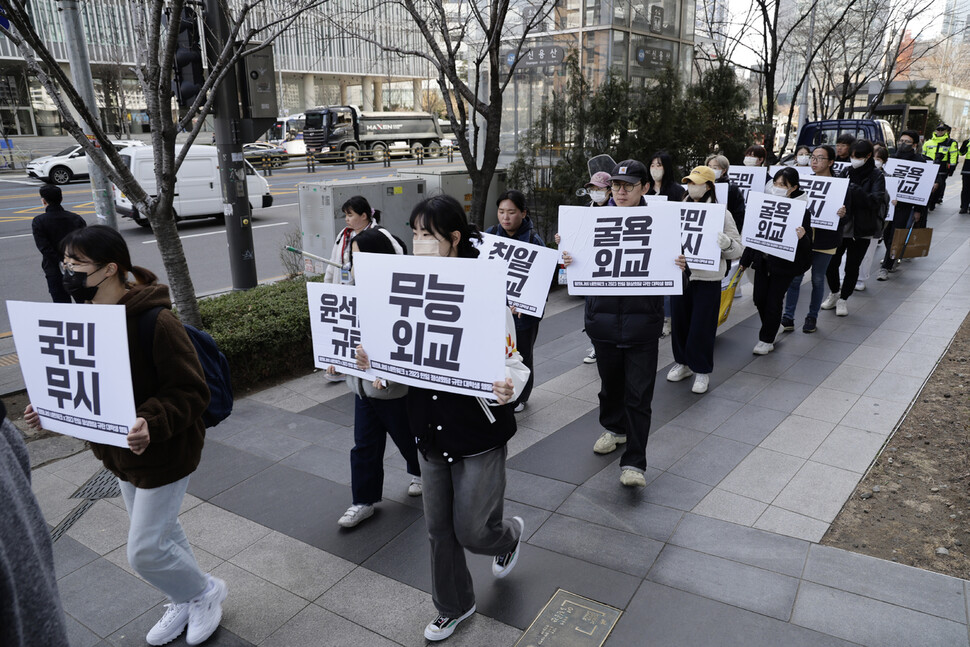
462 447
694 314
166 438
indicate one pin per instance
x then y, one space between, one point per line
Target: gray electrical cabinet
321 218
458 184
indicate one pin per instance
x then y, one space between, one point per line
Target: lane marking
213 233
17 236
27 182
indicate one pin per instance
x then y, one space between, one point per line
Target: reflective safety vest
942 150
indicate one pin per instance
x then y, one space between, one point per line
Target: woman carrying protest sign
694 313
462 447
663 181
772 274
165 441
358 216
380 410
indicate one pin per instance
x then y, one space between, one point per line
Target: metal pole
803 102
77 54
232 170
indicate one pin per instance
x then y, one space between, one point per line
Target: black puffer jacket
866 201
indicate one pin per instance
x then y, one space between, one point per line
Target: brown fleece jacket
170 396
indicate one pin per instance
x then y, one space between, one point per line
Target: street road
206 249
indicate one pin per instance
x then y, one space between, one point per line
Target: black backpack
214 365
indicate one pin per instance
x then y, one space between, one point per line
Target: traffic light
189 75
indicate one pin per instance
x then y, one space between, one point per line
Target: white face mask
878 163
657 174
802 160
425 247
779 191
718 173
599 197
696 191
750 160
856 162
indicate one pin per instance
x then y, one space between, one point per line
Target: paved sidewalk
720 548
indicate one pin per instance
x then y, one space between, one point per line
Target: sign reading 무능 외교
770 222
621 251
824 196
436 323
334 326
74 359
529 269
916 180
748 178
700 223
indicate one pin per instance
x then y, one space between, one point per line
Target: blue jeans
820 263
374 420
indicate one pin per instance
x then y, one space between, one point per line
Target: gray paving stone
741 386
316 626
762 475
78 635
809 371
818 491
852 379
221 468
791 524
871 622
608 479
324 462
675 492
751 424
670 443
219 531
887 341
133 634
102 528
826 404
552 418
622 508
783 395
869 357
849 449
851 332
830 350
748 587
798 436
327 412
537 491
104 598
254 607
708 414
905 586
875 414
771 365
740 544
711 459
730 507
70 555
614 549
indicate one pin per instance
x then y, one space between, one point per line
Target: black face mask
905 146
76 285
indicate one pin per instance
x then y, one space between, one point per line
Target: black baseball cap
942 126
630 171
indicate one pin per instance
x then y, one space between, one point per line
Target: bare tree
155 45
466 43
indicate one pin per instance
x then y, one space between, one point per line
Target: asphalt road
21 277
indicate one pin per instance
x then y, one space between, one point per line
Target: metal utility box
458 184
321 218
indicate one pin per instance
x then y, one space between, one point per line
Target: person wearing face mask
803 156
166 438
866 204
662 179
598 189
774 275
694 313
462 446
880 155
514 222
824 244
756 155
843 145
735 199
49 229
942 150
358 216
903 213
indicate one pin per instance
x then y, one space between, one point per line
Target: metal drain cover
570 620
103 485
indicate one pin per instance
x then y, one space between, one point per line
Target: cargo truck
332 129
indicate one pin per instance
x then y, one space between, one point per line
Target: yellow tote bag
727 297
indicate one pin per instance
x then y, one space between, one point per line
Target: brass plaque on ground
570 620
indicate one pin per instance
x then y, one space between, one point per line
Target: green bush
264 332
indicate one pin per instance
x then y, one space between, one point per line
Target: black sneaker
964 210
502 565
809 326
443 626
787 324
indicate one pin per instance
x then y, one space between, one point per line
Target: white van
198 187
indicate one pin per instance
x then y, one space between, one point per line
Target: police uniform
943 150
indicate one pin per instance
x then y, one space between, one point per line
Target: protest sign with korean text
432 322
700 223
335 327
529 269
748 178
770 222
892 186
916 180
838 167
802 171
622 251
824 196
74 359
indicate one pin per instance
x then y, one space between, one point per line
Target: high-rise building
956 18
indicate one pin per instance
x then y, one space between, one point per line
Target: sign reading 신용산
916 180
700 223
770 222
621 251
435 323
335 327
74 359
824 196
748 178
528 271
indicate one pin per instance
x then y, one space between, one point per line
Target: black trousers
769 298
627 377
854 250
901 216
965 190
937 196
525 341
693 325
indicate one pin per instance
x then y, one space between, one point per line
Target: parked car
69 164
878 131
256 152
198 189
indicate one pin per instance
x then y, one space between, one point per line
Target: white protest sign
721 192
892 187
74 359
770 223
529 269
802 170
748 178
432 322
916 180
700 223
622 251
825 195
334 326
838 167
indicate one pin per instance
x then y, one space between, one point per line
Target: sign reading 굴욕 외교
770 223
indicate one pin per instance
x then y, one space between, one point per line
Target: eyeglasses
816 158
625 187
70 267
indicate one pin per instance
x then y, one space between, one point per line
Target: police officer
965 175
943 150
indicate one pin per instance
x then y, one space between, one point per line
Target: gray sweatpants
157 547
463 503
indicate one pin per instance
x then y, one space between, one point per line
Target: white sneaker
414 489
763 348
666 328
357 513
841 308
829 301
679 372
608 442
700 383
882 274
632 478
443 626
590 357
519 408
171 625
502 565
205 611
860 286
